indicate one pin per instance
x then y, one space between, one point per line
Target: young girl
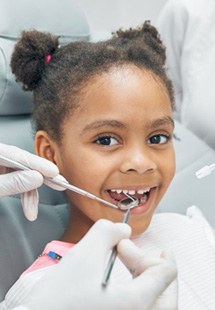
103 115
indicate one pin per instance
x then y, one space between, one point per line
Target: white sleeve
16 308
171 24
21 308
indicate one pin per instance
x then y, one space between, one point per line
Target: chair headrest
63 18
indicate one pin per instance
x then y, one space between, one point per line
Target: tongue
116 196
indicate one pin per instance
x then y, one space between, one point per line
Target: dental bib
191 240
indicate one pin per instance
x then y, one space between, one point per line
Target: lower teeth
143 199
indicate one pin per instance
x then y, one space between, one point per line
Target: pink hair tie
48 58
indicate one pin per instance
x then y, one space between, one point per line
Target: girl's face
118 141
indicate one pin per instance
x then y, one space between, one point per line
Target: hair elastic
48 58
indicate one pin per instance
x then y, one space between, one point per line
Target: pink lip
143 207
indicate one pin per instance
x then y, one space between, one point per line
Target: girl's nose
138 161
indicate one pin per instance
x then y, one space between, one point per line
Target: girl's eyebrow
103 123
166 120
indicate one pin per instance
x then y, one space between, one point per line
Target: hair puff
147 34
29 59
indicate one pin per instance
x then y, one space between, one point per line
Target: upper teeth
131 191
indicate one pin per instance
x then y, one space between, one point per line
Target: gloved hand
75 283
158 295
25 182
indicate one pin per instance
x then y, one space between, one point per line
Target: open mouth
140 195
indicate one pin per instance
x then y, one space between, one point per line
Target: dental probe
204 171
113 255
60 180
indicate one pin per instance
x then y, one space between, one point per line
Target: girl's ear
45 146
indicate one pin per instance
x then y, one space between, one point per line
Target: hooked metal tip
127 203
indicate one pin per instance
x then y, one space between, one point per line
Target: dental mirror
127 203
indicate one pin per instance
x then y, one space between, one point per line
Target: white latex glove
75 283
25 182
158 294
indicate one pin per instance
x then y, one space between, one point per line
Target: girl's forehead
122 72
125 76
125 93
123 84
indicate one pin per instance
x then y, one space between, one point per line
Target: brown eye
158 139
106 140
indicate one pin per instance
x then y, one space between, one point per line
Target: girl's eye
159 139
106 140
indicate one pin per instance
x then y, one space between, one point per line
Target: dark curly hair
58 75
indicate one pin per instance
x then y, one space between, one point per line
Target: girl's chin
136 231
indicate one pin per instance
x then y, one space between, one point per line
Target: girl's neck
77 227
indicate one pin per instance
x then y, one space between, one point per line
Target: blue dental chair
22 241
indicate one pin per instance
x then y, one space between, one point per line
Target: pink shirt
44 260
